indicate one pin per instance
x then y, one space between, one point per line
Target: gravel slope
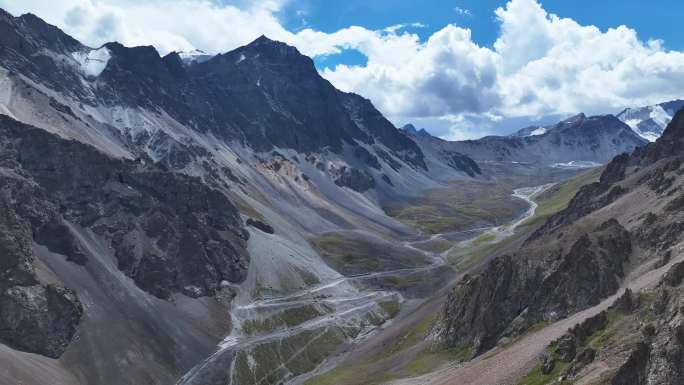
507 366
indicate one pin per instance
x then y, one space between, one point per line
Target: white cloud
541 64
167 24
447 74
463 11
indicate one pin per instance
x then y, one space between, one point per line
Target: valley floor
402 349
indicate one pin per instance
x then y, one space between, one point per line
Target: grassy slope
464 205
550 202
423 361
353 253
622 331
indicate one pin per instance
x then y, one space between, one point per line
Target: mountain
411 129
202 220
650 122
623 231
577 140
530 131
160 212
194 56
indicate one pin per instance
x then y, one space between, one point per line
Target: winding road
340 296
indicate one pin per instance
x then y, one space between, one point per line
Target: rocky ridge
169 232
581 254
593 139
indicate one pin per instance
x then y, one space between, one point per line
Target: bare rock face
265 227
39 319
562 268
461 162
170 232
513 294
355 179
658 357
34 317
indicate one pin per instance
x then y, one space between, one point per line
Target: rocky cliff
127 177
170 233
631 216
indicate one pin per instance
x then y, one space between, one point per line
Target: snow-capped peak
93 62
194 56
650 121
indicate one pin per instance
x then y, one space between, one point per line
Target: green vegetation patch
559 196
272 362
353 253
374 371
464 205
286 318
535 377
549 203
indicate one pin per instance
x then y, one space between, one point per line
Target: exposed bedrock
514 293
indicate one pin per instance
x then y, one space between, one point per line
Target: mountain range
201 219
615 250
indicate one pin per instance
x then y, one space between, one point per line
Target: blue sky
459 68
652 20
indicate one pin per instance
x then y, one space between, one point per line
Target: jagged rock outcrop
355 179
266 94
265 227
169 232
34 316
513 293
562 268
39 319
644 344
462 163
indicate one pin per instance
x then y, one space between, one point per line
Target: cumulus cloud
540 65
448 74
211 25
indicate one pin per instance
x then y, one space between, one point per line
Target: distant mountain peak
575 118
263 39
194 56
650 121
265 43
529 131
411 129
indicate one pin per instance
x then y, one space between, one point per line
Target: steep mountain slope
627 223
650 121
580 139
168 206
160 211
124 237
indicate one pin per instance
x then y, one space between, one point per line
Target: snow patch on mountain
650 121
93 62
576 164
194 56
538 131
